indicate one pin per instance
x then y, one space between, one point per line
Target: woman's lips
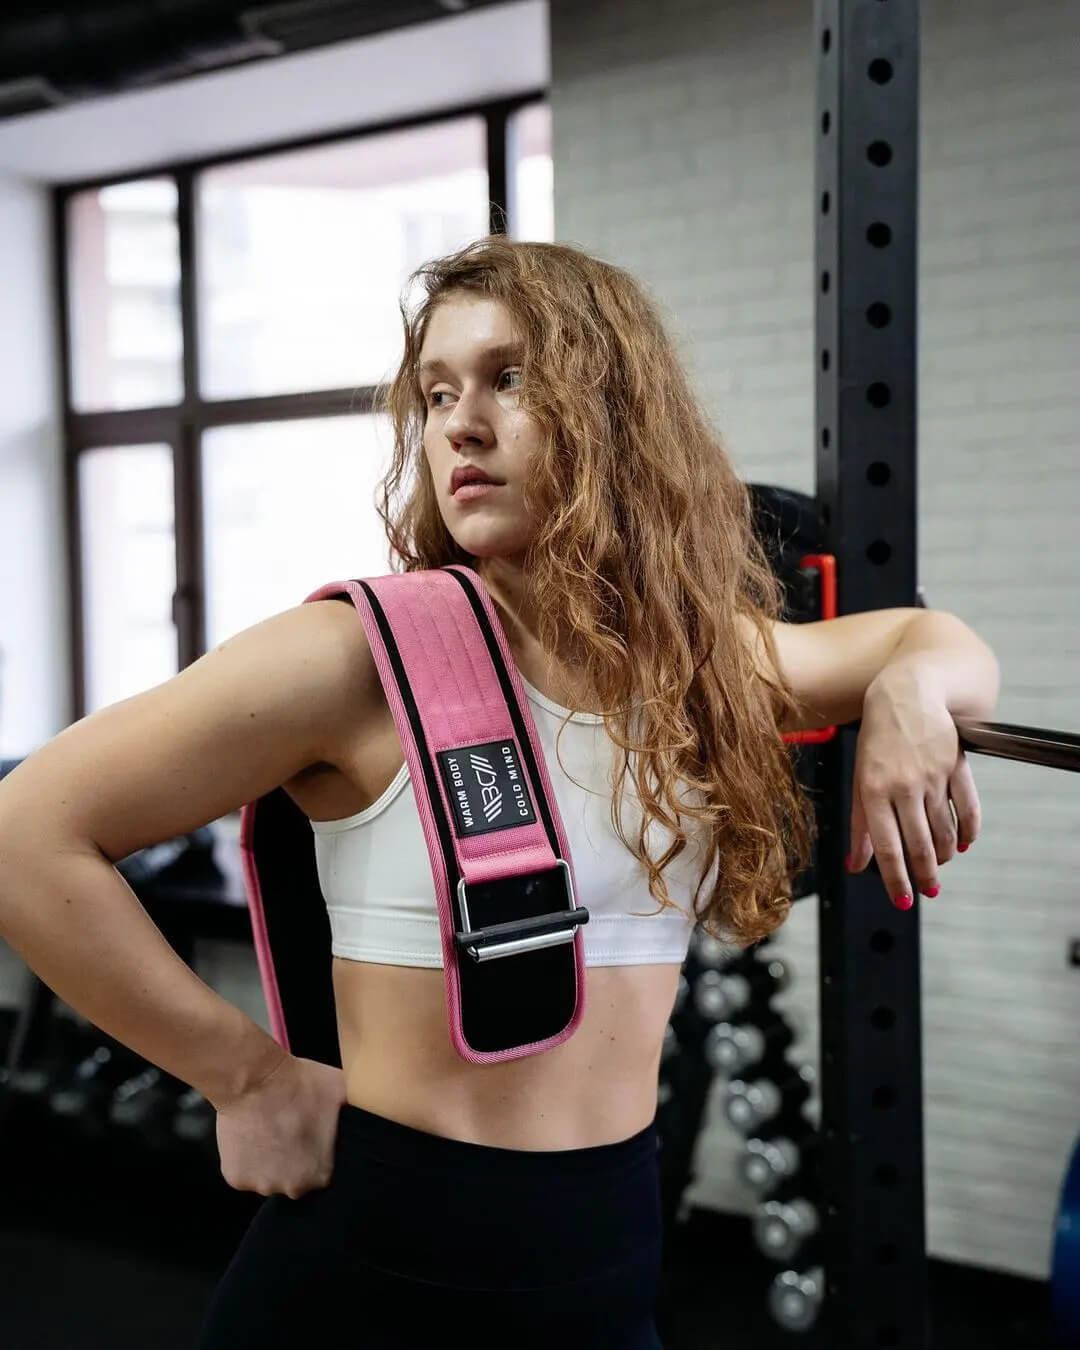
467 491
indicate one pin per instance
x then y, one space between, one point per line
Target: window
531 180
304 254
289 506
129 570
124 296
206 504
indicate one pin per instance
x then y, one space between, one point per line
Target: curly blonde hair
646 561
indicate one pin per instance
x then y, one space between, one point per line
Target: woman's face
470 376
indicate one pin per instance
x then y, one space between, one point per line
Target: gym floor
103 1247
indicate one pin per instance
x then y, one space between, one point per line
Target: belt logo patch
486 787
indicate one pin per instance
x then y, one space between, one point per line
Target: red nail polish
932 892
903 902
962 848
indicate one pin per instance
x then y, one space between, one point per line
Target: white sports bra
375 874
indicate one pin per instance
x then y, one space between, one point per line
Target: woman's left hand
908 768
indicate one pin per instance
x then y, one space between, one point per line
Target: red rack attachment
826 565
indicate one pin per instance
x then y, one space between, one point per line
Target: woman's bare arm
241 720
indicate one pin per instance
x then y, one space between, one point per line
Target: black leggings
418 1235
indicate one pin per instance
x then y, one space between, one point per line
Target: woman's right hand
278 1137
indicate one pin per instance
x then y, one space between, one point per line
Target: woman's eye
513 371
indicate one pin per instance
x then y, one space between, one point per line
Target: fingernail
962 848
847 862
903 902
932 891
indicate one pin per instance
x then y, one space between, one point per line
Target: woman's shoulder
359 702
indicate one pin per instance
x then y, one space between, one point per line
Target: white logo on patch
489 791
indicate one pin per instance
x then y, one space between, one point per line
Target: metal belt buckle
521 935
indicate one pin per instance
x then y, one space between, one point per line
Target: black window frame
181 425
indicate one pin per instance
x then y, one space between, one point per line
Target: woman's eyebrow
504 351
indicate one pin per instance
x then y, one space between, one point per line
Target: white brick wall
683 151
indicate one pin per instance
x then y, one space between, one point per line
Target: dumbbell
731 1047
765 1163
720 996
711 952
748 1106
147 1104
781 1227
784 1148
85 1094
795 1298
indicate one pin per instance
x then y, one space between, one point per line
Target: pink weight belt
512 947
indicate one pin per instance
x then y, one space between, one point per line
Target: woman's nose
467 421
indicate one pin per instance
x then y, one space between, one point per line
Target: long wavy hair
643 571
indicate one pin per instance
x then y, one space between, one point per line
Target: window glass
303 255
129 570
289 506
529 173
124 293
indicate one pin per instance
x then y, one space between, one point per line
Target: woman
411 1193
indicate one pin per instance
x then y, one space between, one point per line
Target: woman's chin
490 543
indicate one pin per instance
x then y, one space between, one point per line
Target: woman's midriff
599 1087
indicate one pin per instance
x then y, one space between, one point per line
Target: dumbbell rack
784 1229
